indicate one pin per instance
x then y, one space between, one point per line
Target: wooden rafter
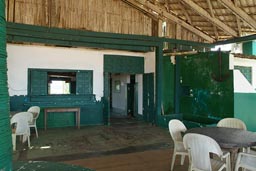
238 21
202 12
213 15
239 12
185 13
149 8
166 2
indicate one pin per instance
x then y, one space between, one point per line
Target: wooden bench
62 109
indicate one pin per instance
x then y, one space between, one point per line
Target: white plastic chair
246 161
175 129
35 110
21 120
232 123
199 148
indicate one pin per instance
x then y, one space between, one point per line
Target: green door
148 98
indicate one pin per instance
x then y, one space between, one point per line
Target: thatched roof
218 19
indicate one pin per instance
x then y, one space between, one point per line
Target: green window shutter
38 82
246 71
84 82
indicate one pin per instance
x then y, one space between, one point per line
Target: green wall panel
206 87
17 103
244 109
63 119
5 130
168 86
38 82
84 82
123 64
249 48
90 115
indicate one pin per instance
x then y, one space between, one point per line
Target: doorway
122 95
123 87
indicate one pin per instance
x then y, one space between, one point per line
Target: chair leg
173 160
182 159
36 131
14 142
28 141
228 164
237 166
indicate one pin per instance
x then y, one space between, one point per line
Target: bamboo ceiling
196 20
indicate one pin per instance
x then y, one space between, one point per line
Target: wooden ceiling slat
206 15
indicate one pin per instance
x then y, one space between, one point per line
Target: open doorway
123 96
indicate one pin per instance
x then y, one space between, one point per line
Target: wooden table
63 109
231 139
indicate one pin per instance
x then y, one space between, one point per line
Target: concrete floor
127 144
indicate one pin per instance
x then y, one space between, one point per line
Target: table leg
45 119
233 156
78 119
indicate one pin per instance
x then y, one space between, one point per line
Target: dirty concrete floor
124 145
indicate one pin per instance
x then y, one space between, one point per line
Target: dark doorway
131 96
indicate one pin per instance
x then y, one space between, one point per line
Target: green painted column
159 81
5 129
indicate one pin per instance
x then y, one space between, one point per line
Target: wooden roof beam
239 12
238 21
202 12
149 7
185 13
213 15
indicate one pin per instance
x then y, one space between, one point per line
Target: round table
227 137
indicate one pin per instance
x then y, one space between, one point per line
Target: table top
227 137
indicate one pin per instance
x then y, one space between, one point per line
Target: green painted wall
91 110
206 82
5 130
249 48
123 64
168 86
244 109
90 115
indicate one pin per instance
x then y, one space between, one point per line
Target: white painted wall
22 57
150 62
240 82
233 48
139 81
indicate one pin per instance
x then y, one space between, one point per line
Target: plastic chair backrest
35 110
232 123
22 120
175 129
199 147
